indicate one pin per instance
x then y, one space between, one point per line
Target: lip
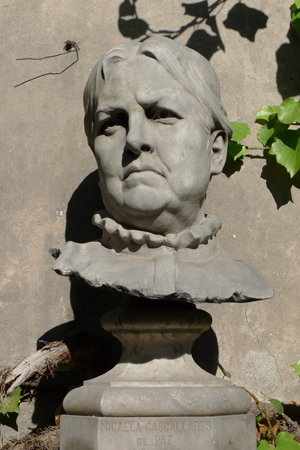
135 169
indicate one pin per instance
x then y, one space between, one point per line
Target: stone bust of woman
157 127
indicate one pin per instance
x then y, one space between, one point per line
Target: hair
185 65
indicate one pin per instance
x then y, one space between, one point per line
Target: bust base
157 398
156 375
228 432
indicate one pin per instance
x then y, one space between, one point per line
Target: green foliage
296 366
267 133
287 150
10 403
9 408
240 131
295 16
284 441
263 445
278 405
259 417
289 111
265 114
275 134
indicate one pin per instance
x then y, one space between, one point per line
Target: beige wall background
45 157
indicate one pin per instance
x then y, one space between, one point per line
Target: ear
219 151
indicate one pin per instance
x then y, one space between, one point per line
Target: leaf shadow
288 61
277 178
278 181
10 420
205 43
130 25
231 166
245 20
133 27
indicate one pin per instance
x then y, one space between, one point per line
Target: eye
162 115
110 125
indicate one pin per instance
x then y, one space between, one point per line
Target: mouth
134 169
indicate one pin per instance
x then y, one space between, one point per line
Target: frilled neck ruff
115 234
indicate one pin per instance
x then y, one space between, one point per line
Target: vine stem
46 57
258 148
52 73
262 409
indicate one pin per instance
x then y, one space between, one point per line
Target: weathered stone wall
45 158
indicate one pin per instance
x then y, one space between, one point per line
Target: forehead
143 78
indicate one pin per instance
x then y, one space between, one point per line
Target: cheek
191 164
189 142
108 154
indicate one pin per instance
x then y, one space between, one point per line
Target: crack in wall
263 347
250 328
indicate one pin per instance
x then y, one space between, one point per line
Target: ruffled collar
115 234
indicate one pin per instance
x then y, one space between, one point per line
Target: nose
139 135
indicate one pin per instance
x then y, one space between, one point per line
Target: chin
137 204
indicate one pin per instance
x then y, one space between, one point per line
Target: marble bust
157 127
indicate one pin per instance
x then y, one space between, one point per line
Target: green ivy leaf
263 445
267 133
297 3
265 114
10 404
276 109
287 150
240 131
259 417
285 441
289 111
293 8
278 405
295 20
296 366
236 150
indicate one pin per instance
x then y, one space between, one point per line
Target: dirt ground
48 439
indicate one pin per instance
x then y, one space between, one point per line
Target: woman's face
152 148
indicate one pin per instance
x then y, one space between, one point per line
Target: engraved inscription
156 434
163 441
121 426
179 426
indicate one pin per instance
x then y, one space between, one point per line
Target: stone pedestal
157 392
230 432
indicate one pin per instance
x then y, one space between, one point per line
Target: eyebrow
108 109
169 101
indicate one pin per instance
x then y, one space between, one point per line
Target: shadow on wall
241 18
288 80
278 181
88 305
206 42
277 178
246 21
